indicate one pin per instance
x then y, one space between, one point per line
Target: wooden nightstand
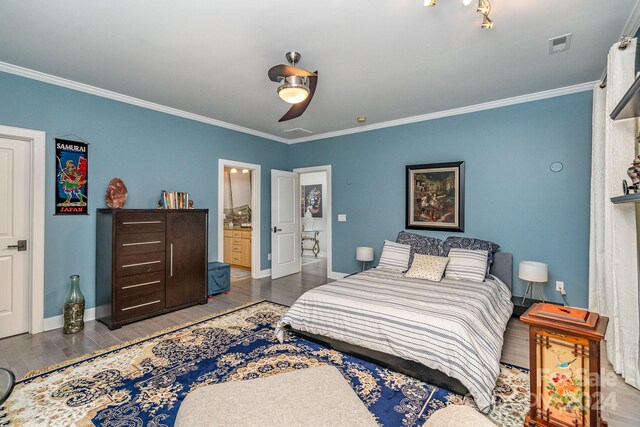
564 357
519 309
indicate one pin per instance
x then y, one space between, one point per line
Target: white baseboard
56 322
336 275
263 273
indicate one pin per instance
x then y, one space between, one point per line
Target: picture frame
435 196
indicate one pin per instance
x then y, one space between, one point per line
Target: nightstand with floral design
564 357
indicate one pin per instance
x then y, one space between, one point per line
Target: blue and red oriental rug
142 383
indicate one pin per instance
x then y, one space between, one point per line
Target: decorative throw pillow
394 256
424 245
471 243
467 264
427 267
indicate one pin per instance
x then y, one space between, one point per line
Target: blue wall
512 197
149 150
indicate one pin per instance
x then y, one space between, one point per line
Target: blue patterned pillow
472 244
420 244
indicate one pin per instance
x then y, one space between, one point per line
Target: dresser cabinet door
186 268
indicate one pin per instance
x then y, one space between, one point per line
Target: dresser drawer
140 283
237 233
139 222
246 234
228 233
236 258
139 305
129 265
237 248
139 243
236 241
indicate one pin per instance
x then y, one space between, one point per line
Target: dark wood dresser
149 262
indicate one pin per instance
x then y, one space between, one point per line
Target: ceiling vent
297 132
559 44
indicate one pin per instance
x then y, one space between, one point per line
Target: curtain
613 249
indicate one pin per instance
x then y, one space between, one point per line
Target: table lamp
364 254
533 272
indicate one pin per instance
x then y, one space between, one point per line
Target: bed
447 333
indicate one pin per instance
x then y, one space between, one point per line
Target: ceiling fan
298 85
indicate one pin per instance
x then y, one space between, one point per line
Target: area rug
238 274
309 260
143 382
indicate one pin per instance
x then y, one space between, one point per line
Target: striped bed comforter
454 326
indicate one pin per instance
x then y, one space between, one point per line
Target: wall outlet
342 217
269 256
560 287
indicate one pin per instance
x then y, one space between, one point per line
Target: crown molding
633 23
567 90
81 87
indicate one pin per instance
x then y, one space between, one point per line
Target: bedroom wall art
311 198
435 196
71 177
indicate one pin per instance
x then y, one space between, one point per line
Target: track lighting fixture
484 8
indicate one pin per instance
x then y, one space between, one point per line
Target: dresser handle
141 263
171 261
141 305
142 243
141 284
140 222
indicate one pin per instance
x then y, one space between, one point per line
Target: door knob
275 230
21 246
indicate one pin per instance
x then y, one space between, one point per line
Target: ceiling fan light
429 3
293 90
487 23
484 7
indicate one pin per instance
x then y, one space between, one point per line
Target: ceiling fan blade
296 110
287 71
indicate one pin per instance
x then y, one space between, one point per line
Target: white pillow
395 256
429 267
467 264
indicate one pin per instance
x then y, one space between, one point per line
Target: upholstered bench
458 416
306 397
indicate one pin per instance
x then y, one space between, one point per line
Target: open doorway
239 217
315 212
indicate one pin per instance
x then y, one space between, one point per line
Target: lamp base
529 291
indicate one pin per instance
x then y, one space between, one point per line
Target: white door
285 223
14 226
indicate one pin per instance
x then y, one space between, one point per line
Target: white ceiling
386 60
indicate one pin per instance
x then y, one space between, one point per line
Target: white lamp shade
533 271
364 253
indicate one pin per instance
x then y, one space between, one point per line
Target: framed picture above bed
435 196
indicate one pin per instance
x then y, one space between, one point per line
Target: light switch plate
342 217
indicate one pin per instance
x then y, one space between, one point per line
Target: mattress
454 326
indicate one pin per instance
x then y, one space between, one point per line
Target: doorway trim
36 140
256 176
327 169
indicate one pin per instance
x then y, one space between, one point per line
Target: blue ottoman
219 277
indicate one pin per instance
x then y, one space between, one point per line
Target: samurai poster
71 177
